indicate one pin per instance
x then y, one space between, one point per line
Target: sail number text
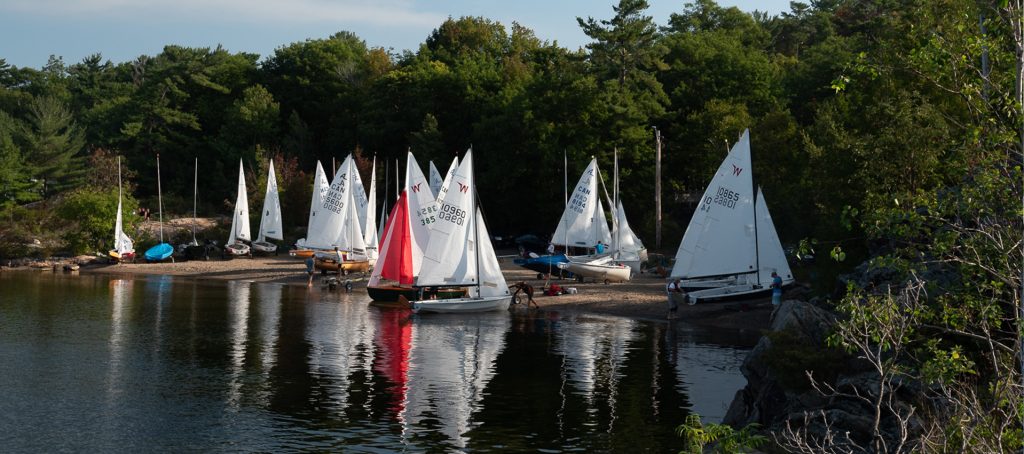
725 197
452 214
424 215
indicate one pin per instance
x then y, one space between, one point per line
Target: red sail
396 263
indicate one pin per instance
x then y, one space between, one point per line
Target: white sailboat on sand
340 234
320 188
270 224
240 220
459 253
583 225
404 239
731 248
123 249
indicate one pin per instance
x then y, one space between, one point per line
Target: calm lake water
100 363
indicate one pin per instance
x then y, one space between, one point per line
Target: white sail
240 220
350 238
578 226
122 243
604 234
629 245
326 226
320 187
370 226
771 257
435 180
492 281
270 225
720 237
448 178
450 256
422 210
359 194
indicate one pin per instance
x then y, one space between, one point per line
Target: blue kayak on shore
159 252
543 264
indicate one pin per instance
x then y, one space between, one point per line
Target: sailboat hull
159 252
392 293
599 272
463 305
122 256
238 249
264 246
347 266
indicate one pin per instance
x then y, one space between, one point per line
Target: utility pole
657 188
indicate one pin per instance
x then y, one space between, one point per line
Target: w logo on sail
736 170
463 187
416 187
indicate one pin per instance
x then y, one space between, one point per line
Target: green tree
53 146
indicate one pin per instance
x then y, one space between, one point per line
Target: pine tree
53 146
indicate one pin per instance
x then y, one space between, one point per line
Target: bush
89 216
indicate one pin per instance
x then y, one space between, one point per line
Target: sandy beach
642 298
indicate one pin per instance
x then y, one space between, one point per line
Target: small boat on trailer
340 262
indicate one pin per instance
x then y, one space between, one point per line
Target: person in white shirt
675 295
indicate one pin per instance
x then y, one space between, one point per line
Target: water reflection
187 365
450 364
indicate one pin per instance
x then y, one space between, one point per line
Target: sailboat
459 253
270 224
162 250
404 239
320 188
340 227
193 250
443 189
240 220
627 249
123 250
370 221
730 247
435 180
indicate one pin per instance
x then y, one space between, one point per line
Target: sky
122 30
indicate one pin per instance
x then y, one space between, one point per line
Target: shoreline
642 298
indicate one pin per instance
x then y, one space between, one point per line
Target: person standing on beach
675 293
309 271
599 247
776 289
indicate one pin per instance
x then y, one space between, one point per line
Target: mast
195 196
753 206
565 187
615 202
657 188
159 198
476 228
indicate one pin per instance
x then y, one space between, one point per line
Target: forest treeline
840 120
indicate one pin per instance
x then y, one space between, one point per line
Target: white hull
264 246
462 305
238 249
605 273
730 292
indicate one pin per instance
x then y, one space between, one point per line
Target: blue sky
121 30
